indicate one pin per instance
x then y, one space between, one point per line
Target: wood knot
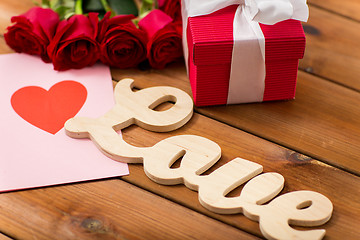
311 30
309 70
299 158
92 225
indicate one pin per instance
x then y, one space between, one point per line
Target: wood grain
199 154
348 8
300 173
321 122
332 47
109 209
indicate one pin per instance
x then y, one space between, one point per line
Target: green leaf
123 7
107 7
64 12
146 7
93 6
68 15
54 4
65 8
44 3
68 3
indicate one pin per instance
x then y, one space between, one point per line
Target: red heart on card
49 110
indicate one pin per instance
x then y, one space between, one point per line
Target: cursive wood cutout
301 208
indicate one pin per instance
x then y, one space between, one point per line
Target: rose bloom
122 44
74 44
171 8
165 44
32 31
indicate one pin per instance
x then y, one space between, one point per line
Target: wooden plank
310 172
109 209
332 47
4 237
300 172
348 8
322 122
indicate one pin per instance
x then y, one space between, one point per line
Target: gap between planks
4 236
187 206
329 80
283 145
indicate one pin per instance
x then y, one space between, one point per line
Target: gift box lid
210 37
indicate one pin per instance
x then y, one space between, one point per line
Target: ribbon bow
247 76
263 11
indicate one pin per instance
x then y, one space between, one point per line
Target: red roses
164 45
74 44
122 44
82 40
171 8
32 32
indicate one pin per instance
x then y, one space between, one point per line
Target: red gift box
210 44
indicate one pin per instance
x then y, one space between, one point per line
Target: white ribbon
247 76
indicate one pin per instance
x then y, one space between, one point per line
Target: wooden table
313 141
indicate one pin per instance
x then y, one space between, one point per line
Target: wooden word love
301 208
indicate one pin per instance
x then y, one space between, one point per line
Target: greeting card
35 102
